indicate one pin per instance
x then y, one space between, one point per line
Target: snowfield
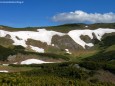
75 35
43 35
20 37
33 61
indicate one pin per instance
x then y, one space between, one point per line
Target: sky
26 13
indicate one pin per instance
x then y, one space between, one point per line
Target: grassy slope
81 54
97 63
61 74
62 28
5 52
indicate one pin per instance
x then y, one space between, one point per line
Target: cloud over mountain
84 17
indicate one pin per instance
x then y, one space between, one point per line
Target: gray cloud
83 17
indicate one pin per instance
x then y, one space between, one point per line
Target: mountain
64 55
57 43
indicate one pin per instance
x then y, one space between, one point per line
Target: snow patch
75 35
33 61
3 33
5 64
37 49
5 71
15 63
67 51
86 26
53 45
101 31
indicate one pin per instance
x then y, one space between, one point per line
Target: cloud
84 17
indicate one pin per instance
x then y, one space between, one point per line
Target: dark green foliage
110 67
47 55
91 65
18 48
101 60
60 70
55 56
5 52
107 41
55 74
17 79
102 56
103 25
67 70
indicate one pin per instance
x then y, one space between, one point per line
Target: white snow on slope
37 49
86 26
75 35
43 35
5 64
33 61
67 51
20 37
5 71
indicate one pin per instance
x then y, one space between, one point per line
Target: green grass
61 74
5 52
21 80
16 69
62 28
111 48
80 55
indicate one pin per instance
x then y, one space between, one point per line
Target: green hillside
93 66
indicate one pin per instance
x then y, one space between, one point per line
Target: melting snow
75 35
15 63
53 45
33 61
67 51
20 37
86 26
5 64
37 49
5 71
43 35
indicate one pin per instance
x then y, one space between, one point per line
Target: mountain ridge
74 43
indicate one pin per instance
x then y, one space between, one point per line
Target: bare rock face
5 41
8 36
36 43
11 58
86 38
65 42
